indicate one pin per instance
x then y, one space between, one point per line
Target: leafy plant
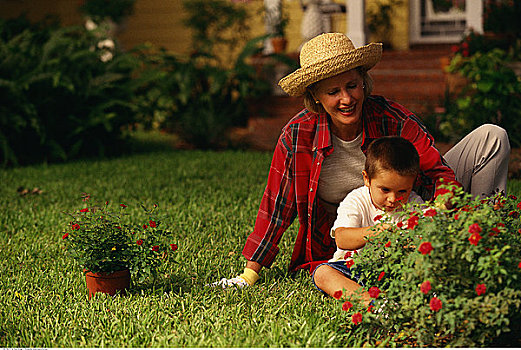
379 19
99 10
104 241
196 98
443 277
493 95
474 42
58 100
218 26
502 16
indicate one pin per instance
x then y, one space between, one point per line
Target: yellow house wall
160 22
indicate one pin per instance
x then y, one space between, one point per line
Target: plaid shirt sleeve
433 166
277 209
384 117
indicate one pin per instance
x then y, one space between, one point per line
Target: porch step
413 78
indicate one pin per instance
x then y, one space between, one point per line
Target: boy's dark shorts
339 266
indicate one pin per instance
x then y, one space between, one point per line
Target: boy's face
389 190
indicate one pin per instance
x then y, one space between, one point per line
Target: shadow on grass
177 284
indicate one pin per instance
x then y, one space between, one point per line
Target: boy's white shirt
357 210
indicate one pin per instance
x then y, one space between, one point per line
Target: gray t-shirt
341 172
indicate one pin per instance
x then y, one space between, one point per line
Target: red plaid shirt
293 180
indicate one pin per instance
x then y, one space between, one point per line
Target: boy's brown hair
392 153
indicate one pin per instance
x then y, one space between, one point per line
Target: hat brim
367 56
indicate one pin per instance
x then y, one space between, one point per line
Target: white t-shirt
357 210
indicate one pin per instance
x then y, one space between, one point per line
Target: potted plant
110 247
277 20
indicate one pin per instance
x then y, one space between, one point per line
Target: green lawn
211 199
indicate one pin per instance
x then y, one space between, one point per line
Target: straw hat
325 56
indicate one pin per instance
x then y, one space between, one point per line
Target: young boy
391 167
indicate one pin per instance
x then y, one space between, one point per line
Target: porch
413 78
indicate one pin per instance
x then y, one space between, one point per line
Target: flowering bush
104 241
443 277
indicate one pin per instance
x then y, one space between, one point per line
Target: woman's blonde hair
311 103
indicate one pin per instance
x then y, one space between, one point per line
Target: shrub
58 100
492 95
195 97
444 277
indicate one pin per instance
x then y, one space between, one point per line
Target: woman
319 156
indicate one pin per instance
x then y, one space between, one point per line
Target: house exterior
160 21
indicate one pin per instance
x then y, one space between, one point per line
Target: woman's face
342 97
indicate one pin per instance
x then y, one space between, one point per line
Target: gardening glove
247 278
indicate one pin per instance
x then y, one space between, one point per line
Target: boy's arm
355 237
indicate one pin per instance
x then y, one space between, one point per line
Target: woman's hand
247 278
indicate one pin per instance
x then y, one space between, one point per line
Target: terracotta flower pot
109 283
279 44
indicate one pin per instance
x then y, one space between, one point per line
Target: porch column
474 12
356 21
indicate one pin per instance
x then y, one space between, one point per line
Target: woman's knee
492 131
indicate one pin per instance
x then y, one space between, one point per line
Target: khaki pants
480 160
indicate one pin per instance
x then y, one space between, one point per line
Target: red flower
145 226
430 212
425 248
474 239
425 287
155 248
481 289
123 205
519 265
152 223
374 292
84 210
388 244
65 236
382 274
118 227
456 217
435 304
377 217
495 232
348 255
139 242
519 205
337 294
474 228
173 246
501 224
400 224
349 263
75 227
356 318
347 305
412 222
370 308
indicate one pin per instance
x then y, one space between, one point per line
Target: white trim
356 22
472 16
